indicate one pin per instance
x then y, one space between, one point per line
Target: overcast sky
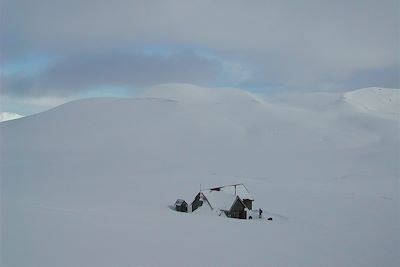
55 50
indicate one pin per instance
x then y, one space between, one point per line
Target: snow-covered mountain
6 116
90 182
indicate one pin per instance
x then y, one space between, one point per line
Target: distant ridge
6 116
380 101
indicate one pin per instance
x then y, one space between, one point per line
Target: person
260 213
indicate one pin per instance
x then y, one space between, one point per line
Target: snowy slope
380 101
89 182
192 94
6 116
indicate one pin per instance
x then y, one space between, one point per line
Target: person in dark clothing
260 211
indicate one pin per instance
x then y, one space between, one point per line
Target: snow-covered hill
191 94
6 116
380 101
89 182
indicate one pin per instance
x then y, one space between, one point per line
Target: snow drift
89 182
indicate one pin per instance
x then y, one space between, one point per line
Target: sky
54 51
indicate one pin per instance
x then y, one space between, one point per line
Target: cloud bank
77 73
307 44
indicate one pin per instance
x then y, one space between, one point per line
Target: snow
239 190
380 101
90 182
179 202
192 94
219 200
6 116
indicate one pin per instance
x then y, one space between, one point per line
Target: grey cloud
388 77
292 42
75 73
16 82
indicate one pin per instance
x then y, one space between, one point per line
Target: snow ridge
6 116
379 101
